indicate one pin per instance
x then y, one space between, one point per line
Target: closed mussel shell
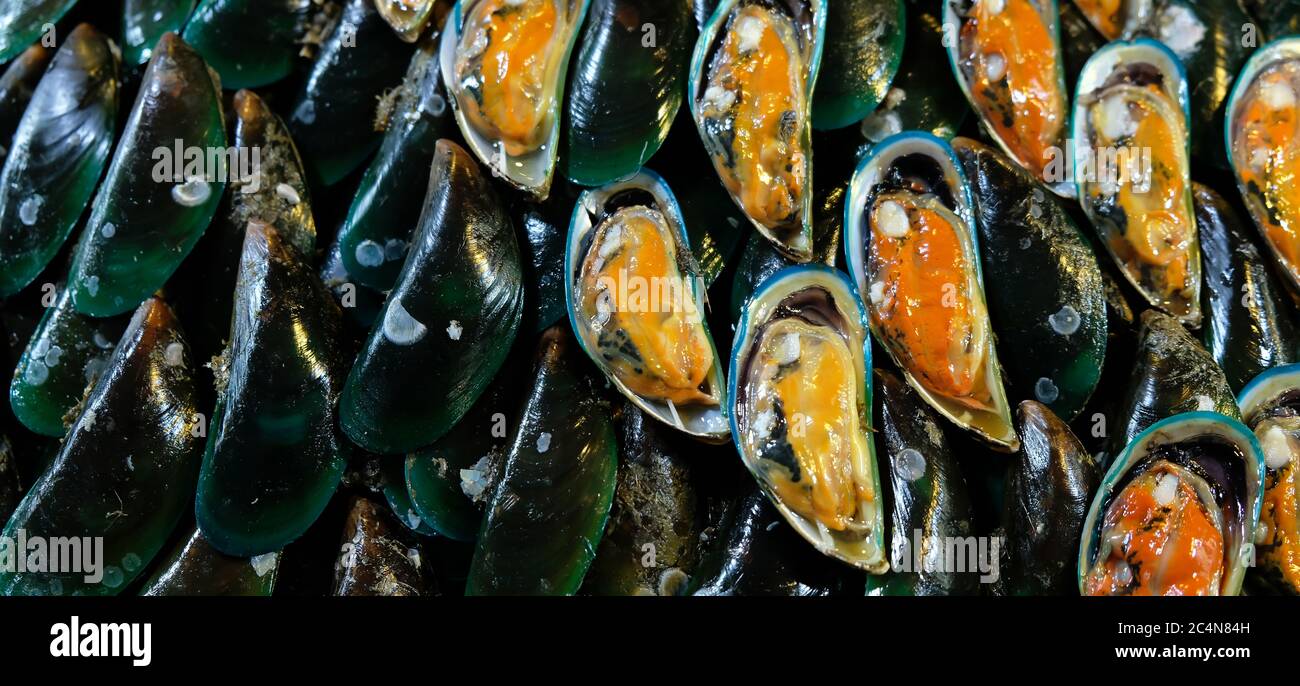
1250 325
1041 282
1049 488
25 20
625 88
926 496
454 311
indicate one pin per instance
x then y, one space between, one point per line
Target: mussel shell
274 456
126 470
376 233
1280 17
863 50
925 494
333 114
916 158
1261 209
754 553
11 490
1049 488
704 421
1172 374
409 18
650 546
954 15
1145 62
1274 392
67 353
546 516
1225 479
760 259
250 43
1057 328
24 21
1270 404
145 21
809 18
802 292
1250 325
377 557
532 172
57 155
195 568
138 233
626 87
454 311
17 84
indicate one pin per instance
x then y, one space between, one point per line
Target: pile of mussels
400 297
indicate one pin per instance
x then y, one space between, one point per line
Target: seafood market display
543 297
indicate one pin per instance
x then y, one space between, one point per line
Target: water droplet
400 327
37 373
52 356
130 562
174 355
1025 243
394 249
1046 391
543 442
108 230
369 254
113 577
306 112
1066 321
192 193
29 209
92 285
454 330
911 464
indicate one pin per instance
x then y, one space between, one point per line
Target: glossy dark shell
1250 324
754 552
1172 374
17 84
274 456
929 507
23 21
195 568
546 516
1049 487
250 43
1042 283
649 547
138 234
333 115
145 21
376 234
127 467
57 155
625 86
864 46
375 559
453 314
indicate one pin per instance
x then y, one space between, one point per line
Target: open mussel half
910 243
504 64
752 78
1008 61
1270 405
1176 512
1262 131
636 303
800 395
1132 169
